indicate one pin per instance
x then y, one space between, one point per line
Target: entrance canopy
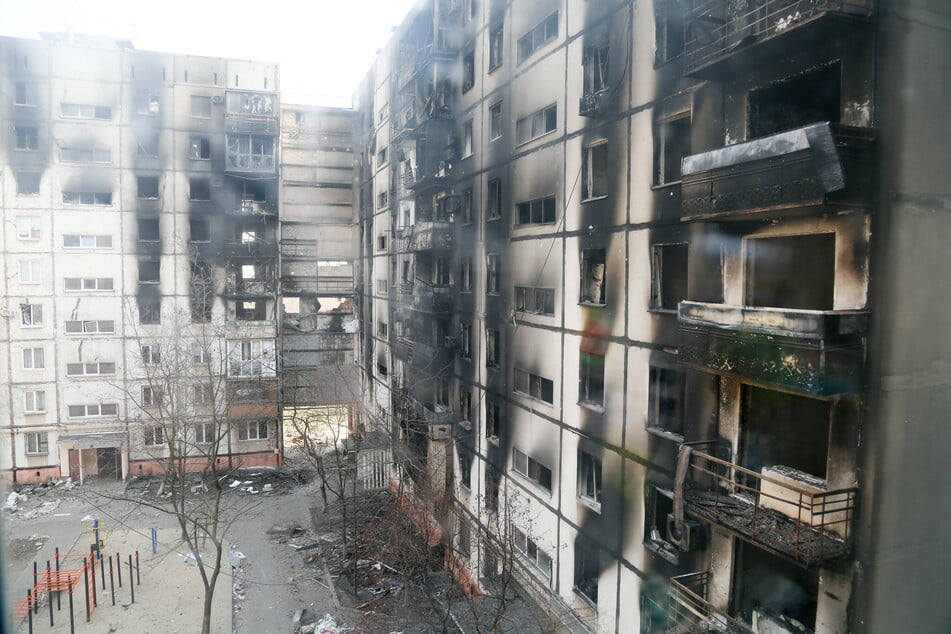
101 440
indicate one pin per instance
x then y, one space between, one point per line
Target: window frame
496 46
27 138
492 274
537 37
495 121
589 260
28 183
244 429
30 360
539 206
589 182
539 118
34 270
89 284
534 296
535 384
202 101
494 199
653 422
532 470
662 136
95 368
35 315
657 253
588 367
39 440
590 480
34 401
154 436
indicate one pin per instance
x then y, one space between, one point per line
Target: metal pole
86 588
131 585
102 570
92 564
154 540
36 608
58 591
119 568
112 585
72 624
138 579
29 604
49 596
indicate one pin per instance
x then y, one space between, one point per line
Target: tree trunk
206 614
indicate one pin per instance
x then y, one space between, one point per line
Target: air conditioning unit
8 312
216 99
693 537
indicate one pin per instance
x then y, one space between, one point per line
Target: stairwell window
595 69
492 274
671 145
532 469
535 386
537 124
529 549
468 69
496 46
591 380
541 34
493 422
537 212
493 348
495 121
666 402
589 480
494 202
668 275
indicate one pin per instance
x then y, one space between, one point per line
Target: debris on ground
12 502
235 556
238 591
286 530
327 625
44 509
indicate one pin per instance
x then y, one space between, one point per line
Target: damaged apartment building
650 296
141 256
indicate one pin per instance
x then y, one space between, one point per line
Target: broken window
658 505
492 274
594 62
465 341
87 198
536 124
535 300
468 70
668 275
796 272
594 171
780 429
26 95
494 202
465 466
666 401
254 190
493 424
535 386
532 469
382 199
591 379
467 273
250 151
199 231
540 35
589 480
530 549
251 358
251 311
782 594
593 276
807 98
381 158
28 138
493 348
381 243
495 121
85 155
150 310
148 230
146 103
28 183
669 24
496 46
467 207
147 144
149 271
199 148
467 139
587 568
492 484
201 107
465 404
31 314
535 212
671 145
199 188
202 292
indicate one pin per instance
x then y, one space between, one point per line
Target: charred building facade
140 212
318 244
643 300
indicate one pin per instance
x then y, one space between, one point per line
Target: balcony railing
432 299
780 510
251 124
255 208
591 104
249 288
813 352
426 236
256 249
312 285
723 29
819 165
688 609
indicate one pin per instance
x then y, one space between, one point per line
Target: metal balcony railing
720 29
778 510
688 609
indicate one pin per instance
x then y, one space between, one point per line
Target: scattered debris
238 591
44 509
12 501
328 625
286 530
235 556
191 559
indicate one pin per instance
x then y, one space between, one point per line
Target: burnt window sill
659 186
664 550
591 504
665 434
592 406
594 198
657 310
592 304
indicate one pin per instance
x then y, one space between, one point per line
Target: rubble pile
244 481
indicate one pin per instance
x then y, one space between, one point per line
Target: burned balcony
814 352
438 418
591 104
251 154
689 610
251 249
316 285
820 166
728 34
252 112
781 510
249 207
432 299
428 177
249 289
426 236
